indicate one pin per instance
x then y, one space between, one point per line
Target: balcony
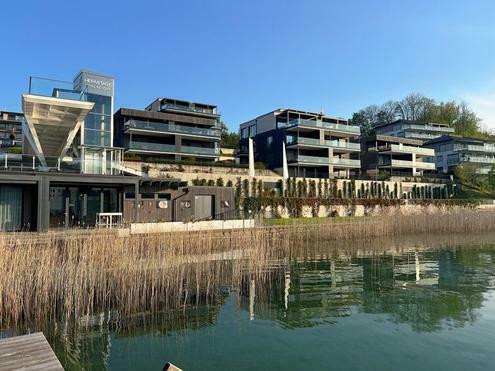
475 148
315 160
139 125
437 129
168 106
403 149
318 124
479 159
172 149
325 143
408 164
55 89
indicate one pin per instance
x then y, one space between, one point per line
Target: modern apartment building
170 129
11 131
409 129
315 145
395 156
452 150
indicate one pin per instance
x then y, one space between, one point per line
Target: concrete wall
140 228
361 210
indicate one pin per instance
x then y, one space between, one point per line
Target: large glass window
98 122
102 103
97 138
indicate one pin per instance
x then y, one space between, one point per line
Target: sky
251 57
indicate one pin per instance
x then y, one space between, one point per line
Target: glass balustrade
166 106
55 89
171 148
326 143
318 124
173 128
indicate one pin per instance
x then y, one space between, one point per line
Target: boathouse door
203 207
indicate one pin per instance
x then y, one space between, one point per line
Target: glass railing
442 129
318 124
408 164
346 162
171 148
310 159
421 136
325 143
200 150
326 160
408 149
475 148
173 128
166 106
479 159
55 89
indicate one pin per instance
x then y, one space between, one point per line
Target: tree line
417 107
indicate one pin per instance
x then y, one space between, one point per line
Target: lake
409 304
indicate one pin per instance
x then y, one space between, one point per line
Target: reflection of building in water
422 288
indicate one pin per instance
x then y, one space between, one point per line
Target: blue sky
250 57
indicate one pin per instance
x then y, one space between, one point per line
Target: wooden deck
27 352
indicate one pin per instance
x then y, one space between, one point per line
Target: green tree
228 139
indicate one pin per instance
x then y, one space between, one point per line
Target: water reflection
427 284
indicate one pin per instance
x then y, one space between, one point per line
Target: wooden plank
28 352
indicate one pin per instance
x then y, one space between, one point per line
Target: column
178 147
330 163
414 164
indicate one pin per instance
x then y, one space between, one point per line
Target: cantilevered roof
52 123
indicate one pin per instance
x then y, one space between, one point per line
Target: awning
52 123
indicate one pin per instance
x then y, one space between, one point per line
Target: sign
163 204
94 83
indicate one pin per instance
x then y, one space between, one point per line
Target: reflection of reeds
76 275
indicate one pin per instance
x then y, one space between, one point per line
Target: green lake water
400 307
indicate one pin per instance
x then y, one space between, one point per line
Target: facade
315 145
70 174
395 156
419 130
11 132
453 150
170 129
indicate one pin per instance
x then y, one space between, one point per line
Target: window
148 195
252 131
244 133
281 123
452 159
269 142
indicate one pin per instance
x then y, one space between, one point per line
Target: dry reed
68 277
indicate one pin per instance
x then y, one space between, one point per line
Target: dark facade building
11 132
170 129
316 145
394 155
453 150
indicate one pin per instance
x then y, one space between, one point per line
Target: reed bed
70 277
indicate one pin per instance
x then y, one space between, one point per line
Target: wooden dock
28 352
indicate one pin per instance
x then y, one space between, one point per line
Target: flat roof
282 110
185 101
